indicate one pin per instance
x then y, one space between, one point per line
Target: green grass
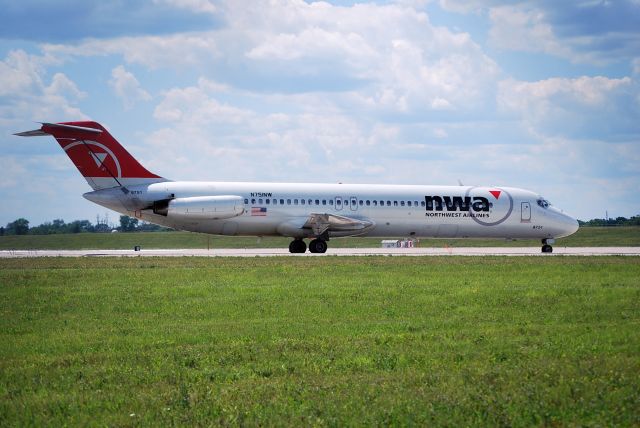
585 237
320 341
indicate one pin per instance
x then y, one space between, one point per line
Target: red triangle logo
495 193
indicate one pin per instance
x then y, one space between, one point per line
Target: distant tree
102 228
128 224
84 225
1 231
18 227
42 229
148 227
58 226
618 221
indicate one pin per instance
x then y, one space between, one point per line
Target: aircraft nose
568 224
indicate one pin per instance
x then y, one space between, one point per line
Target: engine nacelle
201 207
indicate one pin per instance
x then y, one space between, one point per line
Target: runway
271 252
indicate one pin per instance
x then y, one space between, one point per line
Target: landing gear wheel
318 246
297 246
546 248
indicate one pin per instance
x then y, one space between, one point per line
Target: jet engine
200 207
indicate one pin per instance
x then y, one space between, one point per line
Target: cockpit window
543 203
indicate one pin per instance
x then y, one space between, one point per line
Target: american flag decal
258 211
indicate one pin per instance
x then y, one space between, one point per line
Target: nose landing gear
546 245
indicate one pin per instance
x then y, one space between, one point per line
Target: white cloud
62 86
440 133
587 32
28 94
19 72
402 61
201 6
173 51
127 87
196 106
521 28
581 106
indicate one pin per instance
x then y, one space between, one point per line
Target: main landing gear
546 245
297 246
315 246
318 246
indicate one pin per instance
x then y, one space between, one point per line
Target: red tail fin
102 161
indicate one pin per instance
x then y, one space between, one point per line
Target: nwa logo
457 203
477 208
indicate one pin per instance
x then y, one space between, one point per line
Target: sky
542 95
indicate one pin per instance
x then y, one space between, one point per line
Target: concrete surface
267 252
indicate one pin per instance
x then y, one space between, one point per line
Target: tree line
618 221
127 224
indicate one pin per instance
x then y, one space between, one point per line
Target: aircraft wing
316 224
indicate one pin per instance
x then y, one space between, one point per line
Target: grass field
320 341
585 237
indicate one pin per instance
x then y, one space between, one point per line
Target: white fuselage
391 210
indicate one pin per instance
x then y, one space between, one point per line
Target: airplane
301 211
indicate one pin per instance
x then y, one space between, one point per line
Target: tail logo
98 156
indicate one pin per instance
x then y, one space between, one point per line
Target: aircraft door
338 203
525 216
353 203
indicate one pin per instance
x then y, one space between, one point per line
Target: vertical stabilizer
101 160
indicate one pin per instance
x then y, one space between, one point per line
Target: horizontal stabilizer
48 128
34 133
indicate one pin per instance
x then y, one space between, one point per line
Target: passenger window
310 201
338 202
295 202
330 201
301 201
317 201
253 201
401 203
281 201
375 203
275 202
422 204
267 201
389 203
246 201
324 202
408 203
382 203
260 201
368 202
288 201
361 202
